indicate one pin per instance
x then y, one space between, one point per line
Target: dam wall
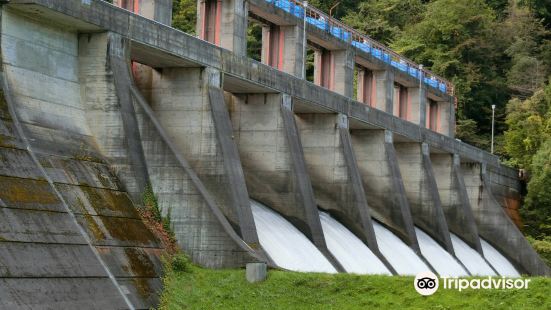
101 103
70 231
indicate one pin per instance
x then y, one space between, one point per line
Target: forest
496 52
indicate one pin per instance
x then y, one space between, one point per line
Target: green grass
197 288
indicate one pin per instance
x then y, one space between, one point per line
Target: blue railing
362 42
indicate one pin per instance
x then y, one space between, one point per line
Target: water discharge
291 249
498 261
349 250
398 254
470 258
442 261
286 245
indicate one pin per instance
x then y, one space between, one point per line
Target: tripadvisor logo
426 283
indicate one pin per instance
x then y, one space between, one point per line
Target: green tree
526 37
536 212
184 15
458 40
542 9
342 6
384 20
529 127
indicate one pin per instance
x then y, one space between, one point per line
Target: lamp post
493 117
423 103
304 41
333 7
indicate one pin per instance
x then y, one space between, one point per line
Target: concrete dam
355 171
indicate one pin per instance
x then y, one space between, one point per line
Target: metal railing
338 29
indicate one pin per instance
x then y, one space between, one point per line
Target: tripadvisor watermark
427 283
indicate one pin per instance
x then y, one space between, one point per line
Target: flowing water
472 260
498 261
291 249
442 261
397 253
286 245
349 250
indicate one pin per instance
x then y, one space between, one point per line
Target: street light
493 117
333 7
304 41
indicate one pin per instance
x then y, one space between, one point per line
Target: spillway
470 258
442 261
286 245
498 261
349 250
398 254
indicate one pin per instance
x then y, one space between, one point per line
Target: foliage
384 20
181 263
150 201
457 39
341 9
543 247
153 218
542 8
466 130
528 143
254 41
528 45
228 289
536 212
529 127
184 15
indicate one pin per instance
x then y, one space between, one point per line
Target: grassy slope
228 289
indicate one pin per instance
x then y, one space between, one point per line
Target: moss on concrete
25 191
139 263
109 201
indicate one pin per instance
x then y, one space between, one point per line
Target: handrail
335 27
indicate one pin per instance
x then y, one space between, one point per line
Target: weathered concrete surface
200 226
198 125
232 164
159 10
422 192
231 24
273 160
417 104
256 272
507 190
383 182
454 198
58 211
291 54
111 115
384 90
496 227
334 174
334 179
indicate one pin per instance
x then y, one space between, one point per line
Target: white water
498 261
349 250
472 260
398 254
442 261
286 245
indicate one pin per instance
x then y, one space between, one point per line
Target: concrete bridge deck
159 46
